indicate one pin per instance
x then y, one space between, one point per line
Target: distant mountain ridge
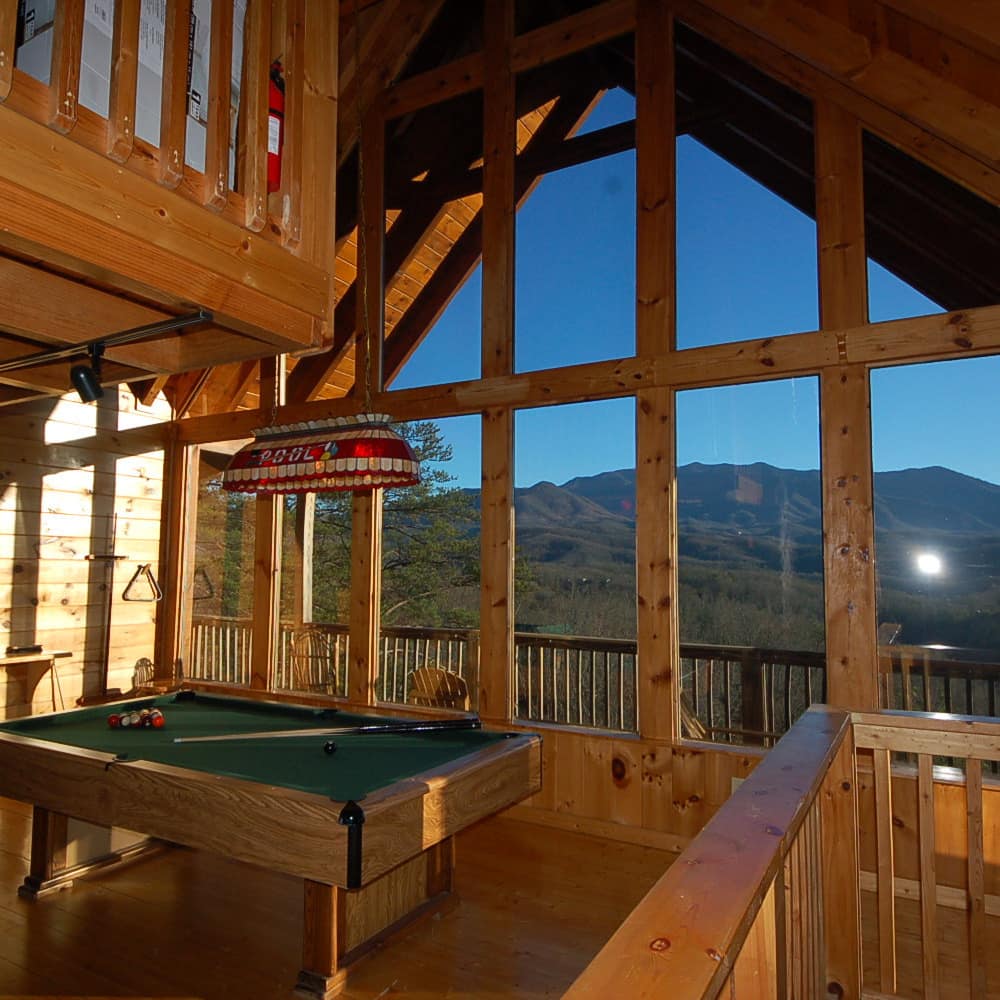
760 497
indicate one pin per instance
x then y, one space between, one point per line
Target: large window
430 571
937 535
575 564
746 239
575 265
221 586
750 539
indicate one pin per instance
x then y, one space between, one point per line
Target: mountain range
769 516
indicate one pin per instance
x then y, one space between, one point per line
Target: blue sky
746 266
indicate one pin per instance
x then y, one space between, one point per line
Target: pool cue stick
441 725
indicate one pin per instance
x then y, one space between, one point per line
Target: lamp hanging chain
361 273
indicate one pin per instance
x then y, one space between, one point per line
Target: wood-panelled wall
628 788
76 480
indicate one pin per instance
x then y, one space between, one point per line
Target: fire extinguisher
275 125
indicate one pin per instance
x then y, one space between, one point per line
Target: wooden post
267 552
656 541
845 428
366 588
177 557
496 653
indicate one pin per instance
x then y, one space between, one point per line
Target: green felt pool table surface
361 763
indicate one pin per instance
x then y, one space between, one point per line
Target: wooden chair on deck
437 688
314 661
692 727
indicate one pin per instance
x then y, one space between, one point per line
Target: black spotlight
86 379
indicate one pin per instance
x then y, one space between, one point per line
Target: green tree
430 545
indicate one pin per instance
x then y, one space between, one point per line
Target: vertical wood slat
885 881
292 149
319 133
839 863
8 40
656 633
928 874
64 79
819 902
124 74
215 181
252 154
173 98
976 877
755 972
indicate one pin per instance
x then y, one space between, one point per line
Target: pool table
367 823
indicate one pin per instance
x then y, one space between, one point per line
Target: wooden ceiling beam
918 141
229 384
944 336
534 48
560 123
974 23
961 118
397 29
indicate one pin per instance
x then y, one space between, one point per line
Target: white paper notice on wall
95 59
199 55
149 83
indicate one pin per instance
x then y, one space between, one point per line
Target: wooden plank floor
534 906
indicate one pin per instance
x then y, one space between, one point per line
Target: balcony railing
729 694
765 901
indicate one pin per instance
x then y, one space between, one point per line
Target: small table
47 662
368 827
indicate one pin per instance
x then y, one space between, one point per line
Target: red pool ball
114 721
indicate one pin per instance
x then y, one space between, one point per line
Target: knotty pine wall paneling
78 479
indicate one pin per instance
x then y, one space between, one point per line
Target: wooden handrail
684 938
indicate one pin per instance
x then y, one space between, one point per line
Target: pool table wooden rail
277 828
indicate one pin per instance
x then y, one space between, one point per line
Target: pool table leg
51 867
341 926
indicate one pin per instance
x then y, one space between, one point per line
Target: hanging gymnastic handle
145 571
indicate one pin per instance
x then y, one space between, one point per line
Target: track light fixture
86 379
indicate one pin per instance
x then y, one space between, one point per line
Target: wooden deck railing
765 901
730 694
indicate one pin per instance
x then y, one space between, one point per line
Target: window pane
934 242
937 534
746 239
575 564
433 244
221 587
750 540
575 242
430 571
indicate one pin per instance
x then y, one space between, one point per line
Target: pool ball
329 746
114 721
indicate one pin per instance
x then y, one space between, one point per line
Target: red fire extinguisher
275 125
